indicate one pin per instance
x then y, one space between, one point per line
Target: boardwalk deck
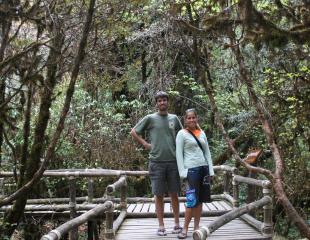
135 209
145 228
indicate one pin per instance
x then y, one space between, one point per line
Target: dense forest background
75 76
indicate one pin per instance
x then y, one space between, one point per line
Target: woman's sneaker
182 235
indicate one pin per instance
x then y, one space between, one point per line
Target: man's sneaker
177 229
161 232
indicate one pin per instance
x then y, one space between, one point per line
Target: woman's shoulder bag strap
199 144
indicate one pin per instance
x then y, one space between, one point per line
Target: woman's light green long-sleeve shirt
189 154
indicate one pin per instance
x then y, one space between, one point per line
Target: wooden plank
152 208
218 206
131 207
205 207
145 207
226 205
138 207
182 207
211 206
167 208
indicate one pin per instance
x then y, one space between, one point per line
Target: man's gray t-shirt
161 131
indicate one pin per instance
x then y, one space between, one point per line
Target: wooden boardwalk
145 228
134 209
138 220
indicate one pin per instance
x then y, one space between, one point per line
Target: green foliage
93 125
113 92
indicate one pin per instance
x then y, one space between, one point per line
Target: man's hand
147 146
139 139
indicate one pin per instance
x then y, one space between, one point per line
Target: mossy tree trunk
6 24
13 217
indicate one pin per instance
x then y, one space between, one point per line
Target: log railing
96 206
265 202
63 229
106 205
106 208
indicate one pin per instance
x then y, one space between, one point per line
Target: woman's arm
180 154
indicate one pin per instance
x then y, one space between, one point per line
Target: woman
194 165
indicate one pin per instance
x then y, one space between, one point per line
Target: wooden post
90 190
73 235
91 225
123 201
227 179
267 227
235 193
109 217
1 187
109 233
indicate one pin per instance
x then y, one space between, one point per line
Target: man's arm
139 139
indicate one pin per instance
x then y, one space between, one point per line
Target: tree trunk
2 99
12 218
5 30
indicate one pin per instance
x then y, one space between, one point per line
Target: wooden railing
265 227
107 208
106 205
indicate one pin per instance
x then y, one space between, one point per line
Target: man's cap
161 94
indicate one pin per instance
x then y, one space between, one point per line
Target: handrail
252 181
120 219
204 232
83 173
57 233
266 202
230 178
101 172
225 168
117 185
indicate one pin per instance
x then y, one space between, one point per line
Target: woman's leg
197 214
188 218
192 197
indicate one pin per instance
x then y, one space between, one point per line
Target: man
161 128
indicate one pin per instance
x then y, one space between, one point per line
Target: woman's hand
211 178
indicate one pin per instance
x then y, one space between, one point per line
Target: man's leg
157 175
159 204
175 207
173 181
